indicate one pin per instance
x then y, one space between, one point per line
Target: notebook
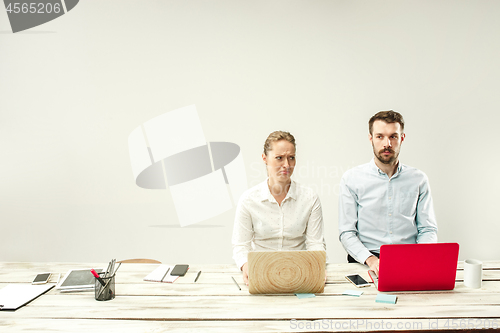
417 267
282 272
161 274
13 296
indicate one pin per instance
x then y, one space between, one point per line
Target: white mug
473 273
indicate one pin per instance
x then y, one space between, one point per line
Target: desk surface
214 304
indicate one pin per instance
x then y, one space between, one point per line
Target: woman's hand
244 269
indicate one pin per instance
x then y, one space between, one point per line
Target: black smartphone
357 280
41 278
179 270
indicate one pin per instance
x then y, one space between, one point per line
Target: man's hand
372 262
244 269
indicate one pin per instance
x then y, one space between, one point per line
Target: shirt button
389 198
390 232
390 214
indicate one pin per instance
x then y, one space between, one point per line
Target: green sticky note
356 293
384 298
305 295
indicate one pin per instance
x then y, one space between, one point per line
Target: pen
94 273
107 270
237 285
112 268
104 288
119 264
165 274
197 276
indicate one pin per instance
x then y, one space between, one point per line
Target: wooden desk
214 304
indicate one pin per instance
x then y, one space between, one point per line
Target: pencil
197 276
237 285
165 274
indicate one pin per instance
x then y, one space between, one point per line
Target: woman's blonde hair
276 136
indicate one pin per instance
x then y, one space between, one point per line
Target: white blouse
261 224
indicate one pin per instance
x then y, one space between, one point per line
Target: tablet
77 280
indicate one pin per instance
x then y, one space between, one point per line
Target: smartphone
179 270
357 280
41 278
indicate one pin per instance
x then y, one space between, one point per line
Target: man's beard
386 159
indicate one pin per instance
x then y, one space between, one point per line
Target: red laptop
407 267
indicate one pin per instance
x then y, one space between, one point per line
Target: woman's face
280 161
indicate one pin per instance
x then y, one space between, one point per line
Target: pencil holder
105 288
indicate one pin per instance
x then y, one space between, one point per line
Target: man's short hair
387 117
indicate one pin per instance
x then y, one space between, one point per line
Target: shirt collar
375 169
265 193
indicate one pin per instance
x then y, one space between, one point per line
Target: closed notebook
161 274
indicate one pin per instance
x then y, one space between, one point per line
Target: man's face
386 141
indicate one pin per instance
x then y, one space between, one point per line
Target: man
384 201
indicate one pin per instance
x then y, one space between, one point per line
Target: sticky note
356 293
384 298
305 295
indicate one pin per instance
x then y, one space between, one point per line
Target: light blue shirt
375 210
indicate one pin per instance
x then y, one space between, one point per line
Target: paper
383 298
356 293
161 274
301 296
13 296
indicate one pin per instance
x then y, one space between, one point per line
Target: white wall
73 89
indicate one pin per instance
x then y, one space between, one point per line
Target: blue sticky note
305 295
384 298
356 293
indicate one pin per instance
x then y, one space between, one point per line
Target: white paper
14 296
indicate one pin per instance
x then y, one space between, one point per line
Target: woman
278 214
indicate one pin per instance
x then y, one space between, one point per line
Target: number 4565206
33 8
